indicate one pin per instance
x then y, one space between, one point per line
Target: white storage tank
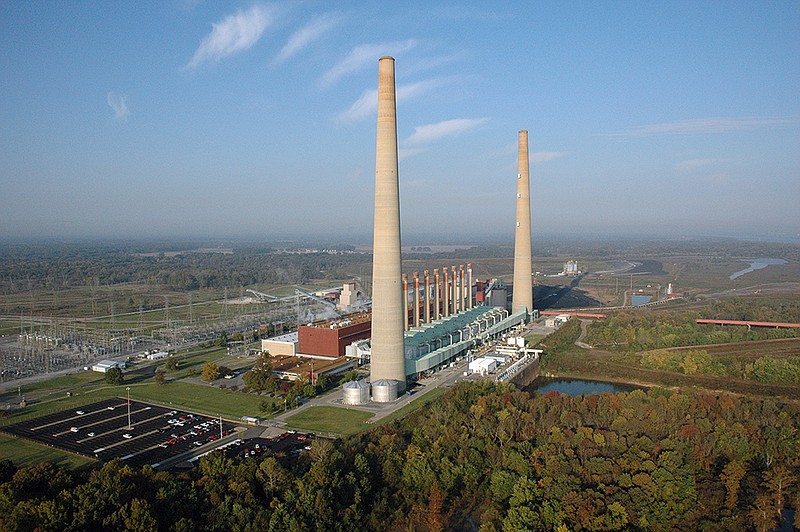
385 390
356 393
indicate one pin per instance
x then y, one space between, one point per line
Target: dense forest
637 331
483 456
64 266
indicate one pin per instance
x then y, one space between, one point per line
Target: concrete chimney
446 292
463 287
427 296
469 284
405 302
456 297
437 295
388 299
416 299
522 299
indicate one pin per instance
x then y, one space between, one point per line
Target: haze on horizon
259 118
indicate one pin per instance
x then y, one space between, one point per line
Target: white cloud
700 126
693 165
362 55
432 132
544 156
308 34
403 153
367 103
119 105
236 33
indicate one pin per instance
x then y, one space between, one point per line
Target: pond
640 300
577 386
756 264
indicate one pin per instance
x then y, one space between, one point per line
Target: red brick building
330 337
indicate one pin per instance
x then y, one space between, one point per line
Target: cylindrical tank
356 393
385 390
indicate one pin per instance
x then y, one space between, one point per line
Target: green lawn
201 398
195 397
331 419
340 420
26 453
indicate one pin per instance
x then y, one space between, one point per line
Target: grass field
331 419
194 397
346 422
26 453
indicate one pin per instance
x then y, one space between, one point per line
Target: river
756 264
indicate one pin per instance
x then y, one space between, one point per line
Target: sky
183 118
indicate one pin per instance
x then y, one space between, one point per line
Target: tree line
483 456
60 267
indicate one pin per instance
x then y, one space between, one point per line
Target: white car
74 429
127 436
80 412
90 434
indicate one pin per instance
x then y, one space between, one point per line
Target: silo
356 393
385 390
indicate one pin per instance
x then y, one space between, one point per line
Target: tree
222 341
171 364
777 481
160 376
210 372
260 378
114 376
732 477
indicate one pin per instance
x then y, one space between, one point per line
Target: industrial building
102 366
298 367
331 337
285 344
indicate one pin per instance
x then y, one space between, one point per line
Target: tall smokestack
446 292
437 294
416 299
523 287
463 287
469 284
405 302
427 296
388 308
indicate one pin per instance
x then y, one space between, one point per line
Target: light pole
128 389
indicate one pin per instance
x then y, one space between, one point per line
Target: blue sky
226 119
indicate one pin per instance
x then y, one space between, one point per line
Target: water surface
757 264
577 386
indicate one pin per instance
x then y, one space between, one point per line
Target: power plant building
443 322
331 337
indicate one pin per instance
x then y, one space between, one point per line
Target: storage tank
385 390
356 393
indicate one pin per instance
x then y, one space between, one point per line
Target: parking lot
139 435
285 447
